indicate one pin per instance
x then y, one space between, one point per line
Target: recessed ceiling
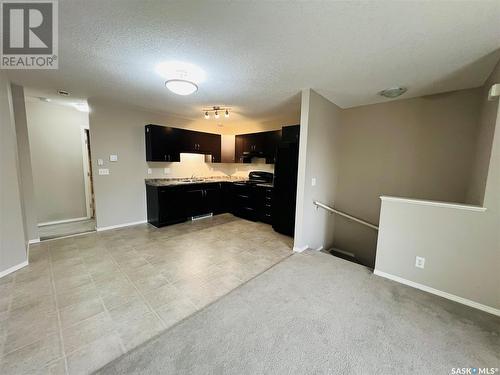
257 56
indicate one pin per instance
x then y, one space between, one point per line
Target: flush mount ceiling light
182 78
181 86
393 92
216 111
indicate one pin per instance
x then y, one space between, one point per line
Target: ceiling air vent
63 92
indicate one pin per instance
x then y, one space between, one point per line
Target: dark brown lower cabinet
165 205
176 203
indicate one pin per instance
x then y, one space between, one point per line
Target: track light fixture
216 111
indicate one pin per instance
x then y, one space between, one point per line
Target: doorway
80 225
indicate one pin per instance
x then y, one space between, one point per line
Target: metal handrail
353 218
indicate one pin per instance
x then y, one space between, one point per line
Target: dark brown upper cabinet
166 144
162 143
258 145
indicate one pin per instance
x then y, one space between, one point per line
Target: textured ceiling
259 55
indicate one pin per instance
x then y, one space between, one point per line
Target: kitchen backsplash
194 164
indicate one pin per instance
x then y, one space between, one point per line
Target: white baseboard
35 240
440 293
63 221
13 268
298 249
100 229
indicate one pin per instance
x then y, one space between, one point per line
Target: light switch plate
419 262
150 171
100 162
166 170
113 157
313 181
103 171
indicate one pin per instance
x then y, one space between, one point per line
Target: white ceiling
259 55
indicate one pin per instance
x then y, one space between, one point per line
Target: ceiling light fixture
181 86
393 92
216 111
181 78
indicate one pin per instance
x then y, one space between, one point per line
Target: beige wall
119 130
319 130
27 190
461 247
12 236
57 160
477 187
417 148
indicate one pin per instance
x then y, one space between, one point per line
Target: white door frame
86 172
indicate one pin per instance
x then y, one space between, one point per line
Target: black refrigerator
285 181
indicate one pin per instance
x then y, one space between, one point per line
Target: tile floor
86 300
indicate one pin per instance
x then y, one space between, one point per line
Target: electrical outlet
419 262
150 171
100 162
313 181
166 170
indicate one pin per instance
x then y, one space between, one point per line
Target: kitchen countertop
187 181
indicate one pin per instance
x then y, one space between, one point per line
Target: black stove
257 177
245 194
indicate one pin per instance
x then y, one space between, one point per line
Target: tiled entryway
85 300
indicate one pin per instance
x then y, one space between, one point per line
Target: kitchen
259 196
